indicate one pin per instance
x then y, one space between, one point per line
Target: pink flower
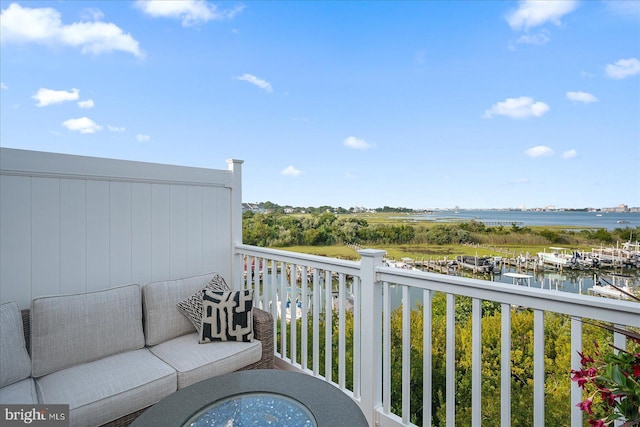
579 377
636 370
597 423
607 396
585 360
586 406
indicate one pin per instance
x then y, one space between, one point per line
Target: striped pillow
227 316
191 306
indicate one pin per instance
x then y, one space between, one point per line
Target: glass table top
253 409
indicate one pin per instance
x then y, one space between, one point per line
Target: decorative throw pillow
191 307
227 316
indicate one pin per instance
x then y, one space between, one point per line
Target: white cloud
356 143
44 26
581 97
86 104
143 138
623 68
532 13
115 128
570 154
517 108
91 14
82 125
49 96
534 39
539 151
3 86
262 84
291 171
190 12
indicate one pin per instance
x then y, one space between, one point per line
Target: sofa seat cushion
162 319
103 390
195 362
15 364
68 330
22 392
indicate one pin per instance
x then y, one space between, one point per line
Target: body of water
606 220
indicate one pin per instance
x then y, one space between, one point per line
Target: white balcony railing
357 299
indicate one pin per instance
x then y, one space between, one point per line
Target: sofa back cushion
67 330
15 364
162 319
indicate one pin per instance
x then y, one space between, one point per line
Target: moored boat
619 287
559 258
475 263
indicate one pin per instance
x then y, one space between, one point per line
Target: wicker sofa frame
262 329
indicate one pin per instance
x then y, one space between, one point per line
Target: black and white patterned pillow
227 316
191 306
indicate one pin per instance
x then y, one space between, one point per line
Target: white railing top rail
351 268
604 309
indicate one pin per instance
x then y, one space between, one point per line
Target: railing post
371 334
235 212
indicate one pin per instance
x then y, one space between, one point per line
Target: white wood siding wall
72 224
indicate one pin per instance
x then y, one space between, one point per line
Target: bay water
580 219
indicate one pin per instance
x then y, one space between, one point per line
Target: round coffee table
255 398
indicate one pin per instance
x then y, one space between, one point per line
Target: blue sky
434 104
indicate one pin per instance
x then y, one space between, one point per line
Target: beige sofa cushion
195 362
68 330
109 388
22 392
15 364
162 319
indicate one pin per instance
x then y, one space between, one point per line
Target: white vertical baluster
328 347
293 310
451 361
386 347
305 333
316 322
356 338
538 368
249 281
341 332
273 285
406 354
505 367
427 358
476 364
257 292
576 392
283 309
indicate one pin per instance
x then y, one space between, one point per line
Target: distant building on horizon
620 208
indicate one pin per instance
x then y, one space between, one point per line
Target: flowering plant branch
611 381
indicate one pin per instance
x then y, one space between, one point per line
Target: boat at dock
626 256
618 286
559 258
474 263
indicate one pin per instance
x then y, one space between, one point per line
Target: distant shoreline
579 219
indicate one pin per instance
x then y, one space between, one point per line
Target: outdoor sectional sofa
110 354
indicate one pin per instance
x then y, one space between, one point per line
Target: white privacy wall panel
83 227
